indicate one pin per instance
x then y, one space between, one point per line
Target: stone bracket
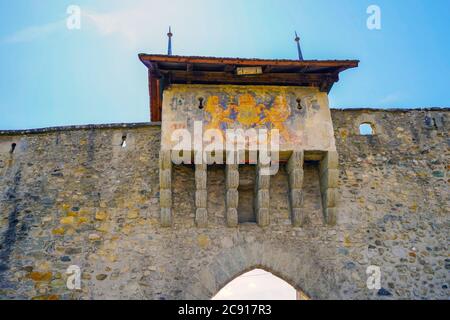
232 194
295 172
201 195
262 197
165 186
329 177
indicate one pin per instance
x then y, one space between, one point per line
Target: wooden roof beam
267 69
229 68
154 69
265 78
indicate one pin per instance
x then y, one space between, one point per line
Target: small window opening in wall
124 141
13 147
366 129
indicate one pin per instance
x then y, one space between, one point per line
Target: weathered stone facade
80 196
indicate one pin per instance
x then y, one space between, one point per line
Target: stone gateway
107 198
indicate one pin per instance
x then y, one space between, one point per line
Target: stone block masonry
165 195
262 196
77 196
232 196
295 171
329 176
201 195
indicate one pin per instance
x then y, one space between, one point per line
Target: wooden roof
165 70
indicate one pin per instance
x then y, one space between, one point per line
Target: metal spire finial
169 49
297 39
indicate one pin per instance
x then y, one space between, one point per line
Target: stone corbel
201 196
329 177
295 171
262 199
232 194
165 185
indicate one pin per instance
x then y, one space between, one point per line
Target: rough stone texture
262 196
165 186
76 197
328 173
232 195
295 171
201 195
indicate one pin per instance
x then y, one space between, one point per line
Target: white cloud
392 98
132 23
115 23
34 32
142 24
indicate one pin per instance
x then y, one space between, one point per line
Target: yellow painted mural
249 114
277 115
217 113
300 115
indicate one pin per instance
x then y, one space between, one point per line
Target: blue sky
50 75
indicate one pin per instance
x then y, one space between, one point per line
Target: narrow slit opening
13 148
123 144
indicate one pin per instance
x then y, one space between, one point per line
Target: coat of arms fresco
301 117
249 114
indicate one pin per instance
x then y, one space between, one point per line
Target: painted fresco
248 114
292 111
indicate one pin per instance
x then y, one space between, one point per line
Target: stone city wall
81 196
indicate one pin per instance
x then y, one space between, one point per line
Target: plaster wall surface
301 115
